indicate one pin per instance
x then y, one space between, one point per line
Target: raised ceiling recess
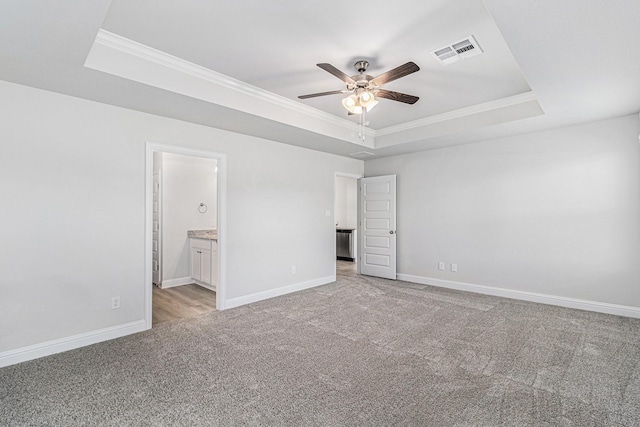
174 52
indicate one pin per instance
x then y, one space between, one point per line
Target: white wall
554 212
72 212
346 202
187 181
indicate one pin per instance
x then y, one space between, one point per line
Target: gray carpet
361 351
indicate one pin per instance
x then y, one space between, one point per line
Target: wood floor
181 302
186 301
346 268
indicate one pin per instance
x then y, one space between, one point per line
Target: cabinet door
205 272
196 264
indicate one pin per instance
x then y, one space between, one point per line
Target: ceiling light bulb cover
367 99
371 105
352 104
349 102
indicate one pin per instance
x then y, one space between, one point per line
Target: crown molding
460 113
122 44
117 55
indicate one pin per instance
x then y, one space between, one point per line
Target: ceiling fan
364 89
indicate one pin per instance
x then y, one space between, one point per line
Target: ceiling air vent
362 154
457 51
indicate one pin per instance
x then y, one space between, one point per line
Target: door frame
221 286
159 201
357 177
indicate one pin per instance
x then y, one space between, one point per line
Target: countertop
203 234
344 229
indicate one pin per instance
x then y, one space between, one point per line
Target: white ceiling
241 65
275 45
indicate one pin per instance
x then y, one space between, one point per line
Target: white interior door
378 226
157 229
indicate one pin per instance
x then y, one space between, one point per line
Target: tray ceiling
241 65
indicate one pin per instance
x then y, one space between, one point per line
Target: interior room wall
346 203
554 212
187 181
73 195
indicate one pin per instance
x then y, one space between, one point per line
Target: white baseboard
600 307
259 296
213 288
176 282
47 348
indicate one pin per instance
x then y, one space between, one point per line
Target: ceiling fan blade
313 95
396 96
396 73
339 74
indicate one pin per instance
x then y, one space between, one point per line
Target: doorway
186 196
346 223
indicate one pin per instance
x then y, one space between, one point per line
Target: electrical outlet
115 303
454 268
441 266
293 269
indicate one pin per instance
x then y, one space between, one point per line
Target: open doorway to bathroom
346 218
184 236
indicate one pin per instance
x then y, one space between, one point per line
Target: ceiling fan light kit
364 89
357 104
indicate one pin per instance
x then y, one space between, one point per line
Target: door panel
378 224
376 206
377 260
376 188
377 242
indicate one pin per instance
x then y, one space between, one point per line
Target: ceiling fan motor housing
360 81
361 66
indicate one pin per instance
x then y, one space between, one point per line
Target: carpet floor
358 352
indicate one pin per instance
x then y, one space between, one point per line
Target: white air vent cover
362 154
458 51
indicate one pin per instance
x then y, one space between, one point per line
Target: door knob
390 231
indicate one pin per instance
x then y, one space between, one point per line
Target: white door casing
157 229
378 226
221 251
